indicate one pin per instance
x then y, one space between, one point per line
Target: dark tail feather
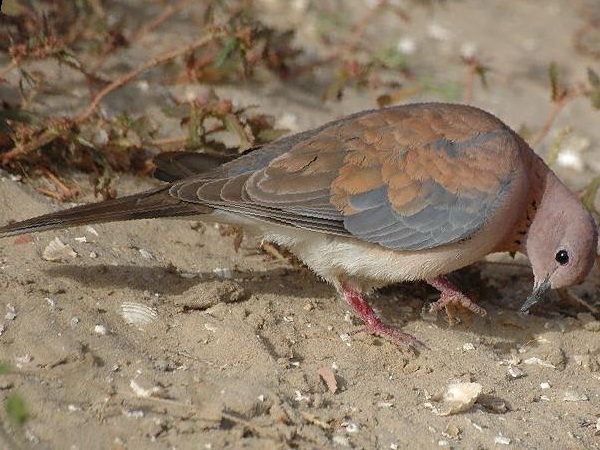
173 166
146 205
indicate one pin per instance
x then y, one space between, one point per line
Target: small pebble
145 392
351 427
545 385
516 372
101 330
146 253
11 314
573 396
340 440
223 273
501 440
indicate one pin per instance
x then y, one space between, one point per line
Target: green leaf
590 192
230 46
481 71
19 115
553 75
4 368
16 409
593 77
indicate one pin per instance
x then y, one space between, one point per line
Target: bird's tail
145 205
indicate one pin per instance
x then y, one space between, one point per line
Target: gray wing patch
446 217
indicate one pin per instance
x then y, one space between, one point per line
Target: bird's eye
562 257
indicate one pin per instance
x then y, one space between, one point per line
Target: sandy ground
234 341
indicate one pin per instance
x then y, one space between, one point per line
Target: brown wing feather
409 177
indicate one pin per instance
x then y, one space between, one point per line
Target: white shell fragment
515 372
101 330
145 253
501 440
223 273
143 392
137 313
456 398
539 362
574 396
57 250
11 312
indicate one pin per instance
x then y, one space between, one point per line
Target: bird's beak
539 289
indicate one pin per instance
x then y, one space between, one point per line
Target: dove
410 192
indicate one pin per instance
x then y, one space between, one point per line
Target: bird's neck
541 179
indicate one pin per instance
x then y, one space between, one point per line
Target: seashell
456 398
57 250
138 313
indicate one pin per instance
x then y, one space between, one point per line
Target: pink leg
451 298
373 324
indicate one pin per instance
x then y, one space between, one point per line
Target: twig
360 27
127 77
557 107
48 136
569 297
168 11
8 68
177 140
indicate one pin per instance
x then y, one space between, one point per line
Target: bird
391 195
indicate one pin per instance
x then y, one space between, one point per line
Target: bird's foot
452 300
374 325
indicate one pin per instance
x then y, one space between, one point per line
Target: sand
243 350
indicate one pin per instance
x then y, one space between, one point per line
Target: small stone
57 250
141 390
341 440
207 295
574 396
74 322
145 253
101 330
501 440
468 346
11 313
451 431
545 385
538 361
515 372
351 427
223 273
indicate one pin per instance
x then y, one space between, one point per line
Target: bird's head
561 242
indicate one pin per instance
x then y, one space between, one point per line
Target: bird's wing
408 178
